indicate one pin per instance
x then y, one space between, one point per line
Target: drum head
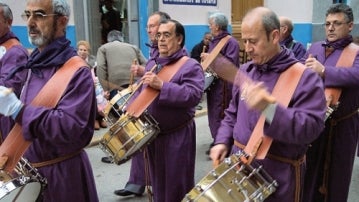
16 190
208 80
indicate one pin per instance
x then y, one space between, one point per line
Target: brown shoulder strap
146 97
346 59
14 146
205 64
10 43
259 144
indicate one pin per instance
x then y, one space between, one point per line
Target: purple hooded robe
13 57
292 128
345 132
172 153
219 95
62 130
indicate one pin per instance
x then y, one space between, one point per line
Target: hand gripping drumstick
203 51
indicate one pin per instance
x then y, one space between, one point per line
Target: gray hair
341 8
7 11
61 7
115 35
220 19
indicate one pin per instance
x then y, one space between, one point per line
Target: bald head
286 27
267 18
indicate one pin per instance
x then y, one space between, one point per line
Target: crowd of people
305 137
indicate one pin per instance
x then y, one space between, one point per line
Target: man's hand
218 153
256 96
312 63
152 80
137 70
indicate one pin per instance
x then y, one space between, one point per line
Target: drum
233 181
114 108
128 136
24 184
208 80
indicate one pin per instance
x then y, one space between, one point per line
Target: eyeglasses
335 24
165 35
36 15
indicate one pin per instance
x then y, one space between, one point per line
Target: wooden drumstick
140 84
215 163
134 62
203 51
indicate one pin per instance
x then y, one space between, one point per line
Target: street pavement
110 177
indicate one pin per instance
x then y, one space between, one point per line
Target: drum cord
147 175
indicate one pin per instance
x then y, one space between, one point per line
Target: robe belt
334 122
56 160
171 130
295 163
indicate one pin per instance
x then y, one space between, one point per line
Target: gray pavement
110 176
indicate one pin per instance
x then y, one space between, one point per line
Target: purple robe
220 94
292 128
172 153
298 49
345 132
62 130
14 56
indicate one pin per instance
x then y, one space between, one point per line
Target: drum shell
233 181
128 136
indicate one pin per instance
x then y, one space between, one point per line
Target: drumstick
203 51
140 84
134 62
215 163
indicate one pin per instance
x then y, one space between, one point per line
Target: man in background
286 38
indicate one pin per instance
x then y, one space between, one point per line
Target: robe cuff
269 112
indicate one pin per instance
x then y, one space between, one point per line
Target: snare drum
233 181
129 135
24 184
208 80
114 108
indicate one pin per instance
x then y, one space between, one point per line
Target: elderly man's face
43 25
168 41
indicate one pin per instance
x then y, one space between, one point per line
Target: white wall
298 11
195 15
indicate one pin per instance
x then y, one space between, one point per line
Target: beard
41 40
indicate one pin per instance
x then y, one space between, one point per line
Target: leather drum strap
346 59
214 53
10 43
146 97
15 145
259 144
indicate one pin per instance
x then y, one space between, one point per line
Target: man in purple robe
172 153
58 135
291 127
12 54
137 181
330 158
219 94
286 38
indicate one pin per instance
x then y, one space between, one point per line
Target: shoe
107 159
97 125
103 124
124 192
199 107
